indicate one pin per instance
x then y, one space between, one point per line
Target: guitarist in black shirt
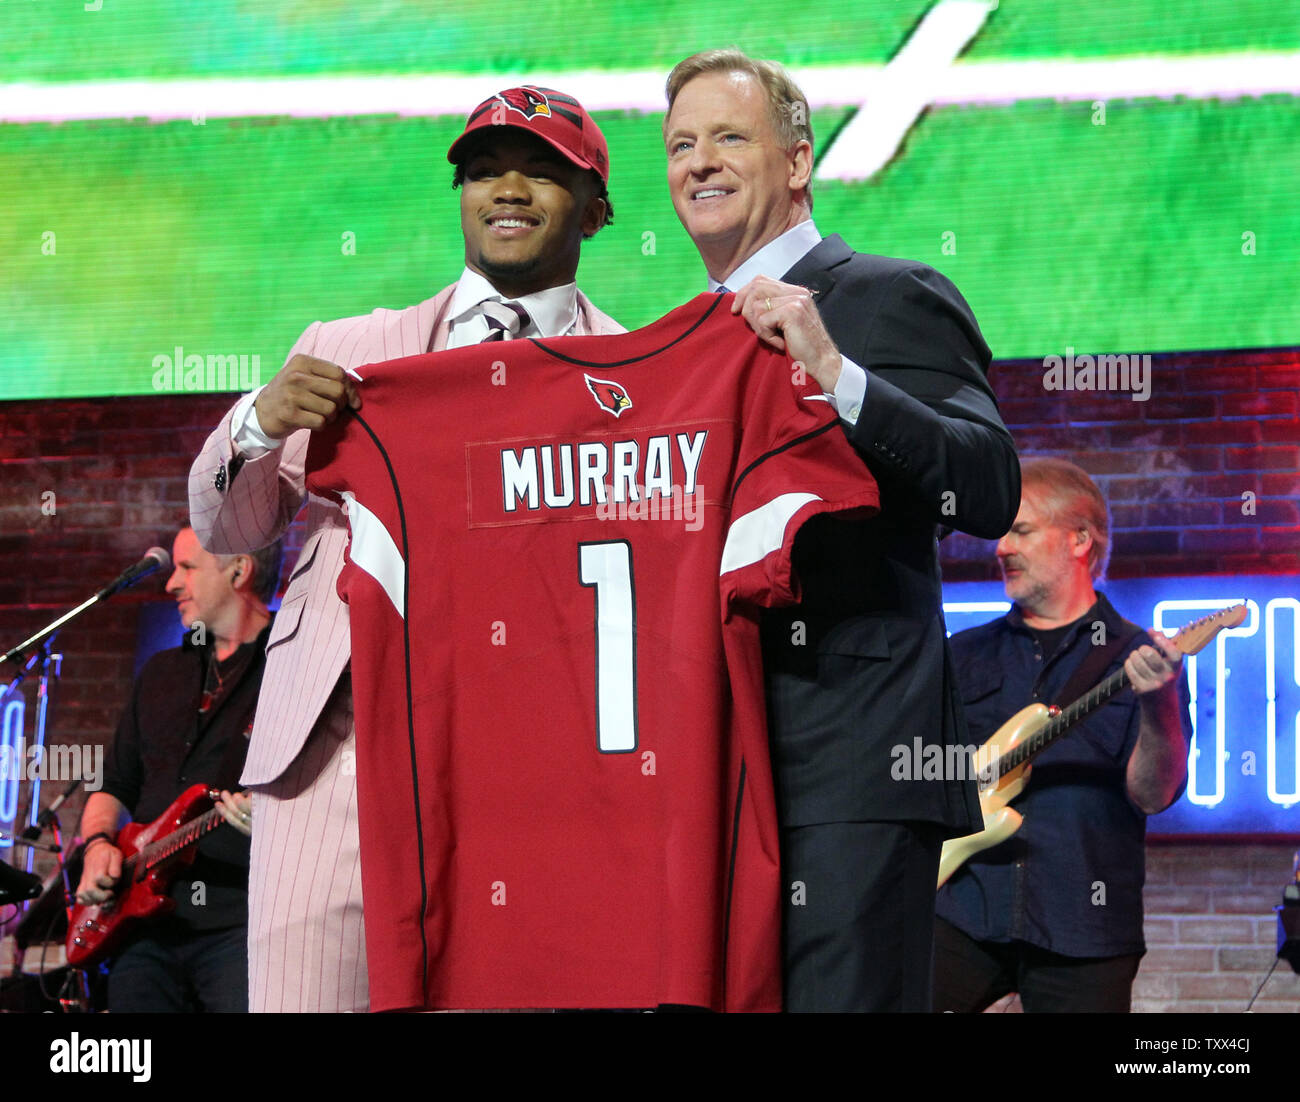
187 723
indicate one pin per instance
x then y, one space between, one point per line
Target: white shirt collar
553 311
775 258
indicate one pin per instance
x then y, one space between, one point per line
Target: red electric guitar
152 855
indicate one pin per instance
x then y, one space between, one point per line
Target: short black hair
602 191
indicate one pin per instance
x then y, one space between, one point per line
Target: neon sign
1244 760
11 739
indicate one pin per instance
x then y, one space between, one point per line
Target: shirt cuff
850 391
246 432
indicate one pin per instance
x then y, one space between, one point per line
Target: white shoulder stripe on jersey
757 534
374 551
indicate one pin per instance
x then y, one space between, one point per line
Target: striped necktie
505 320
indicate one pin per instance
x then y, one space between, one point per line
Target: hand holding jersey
784 316
306 393
618 523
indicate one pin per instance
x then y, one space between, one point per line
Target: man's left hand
785 316
1149 668
237 809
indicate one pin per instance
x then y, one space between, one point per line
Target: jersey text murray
567 475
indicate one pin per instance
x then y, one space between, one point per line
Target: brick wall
118 470
1210 929
1174 469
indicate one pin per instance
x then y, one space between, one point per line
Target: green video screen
184 180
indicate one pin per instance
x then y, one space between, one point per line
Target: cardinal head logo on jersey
611 397
529 102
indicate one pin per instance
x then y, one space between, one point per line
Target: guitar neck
1060 723
168 846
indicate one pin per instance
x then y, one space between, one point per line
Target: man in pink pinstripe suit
533 168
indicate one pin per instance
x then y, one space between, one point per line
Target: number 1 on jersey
608 568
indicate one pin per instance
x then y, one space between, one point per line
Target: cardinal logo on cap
611 397
529 102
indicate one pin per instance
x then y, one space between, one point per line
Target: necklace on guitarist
210 693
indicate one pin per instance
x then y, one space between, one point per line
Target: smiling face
524 210
733 185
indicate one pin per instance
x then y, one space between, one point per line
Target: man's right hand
100 871
306 393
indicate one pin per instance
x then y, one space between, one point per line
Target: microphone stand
75 994
40 645
122 581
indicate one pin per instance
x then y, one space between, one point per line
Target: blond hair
1071 500
787 106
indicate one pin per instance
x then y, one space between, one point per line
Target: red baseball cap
557 119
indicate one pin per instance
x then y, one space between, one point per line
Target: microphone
155 559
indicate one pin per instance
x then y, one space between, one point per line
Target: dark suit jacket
869 669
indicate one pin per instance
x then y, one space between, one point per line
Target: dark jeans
167 969
969 975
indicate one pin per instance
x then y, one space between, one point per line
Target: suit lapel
392 334
434 329
816 270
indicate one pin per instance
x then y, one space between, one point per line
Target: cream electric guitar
1002 763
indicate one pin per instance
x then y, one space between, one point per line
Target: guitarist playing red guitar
1055 910
167 895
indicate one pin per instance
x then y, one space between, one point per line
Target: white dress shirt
551 313
775 259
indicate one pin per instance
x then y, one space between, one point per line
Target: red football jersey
558 550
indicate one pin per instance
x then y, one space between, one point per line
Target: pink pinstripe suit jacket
310 644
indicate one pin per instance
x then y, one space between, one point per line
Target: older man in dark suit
862 665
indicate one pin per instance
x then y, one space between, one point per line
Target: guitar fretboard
155 853
1066 718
